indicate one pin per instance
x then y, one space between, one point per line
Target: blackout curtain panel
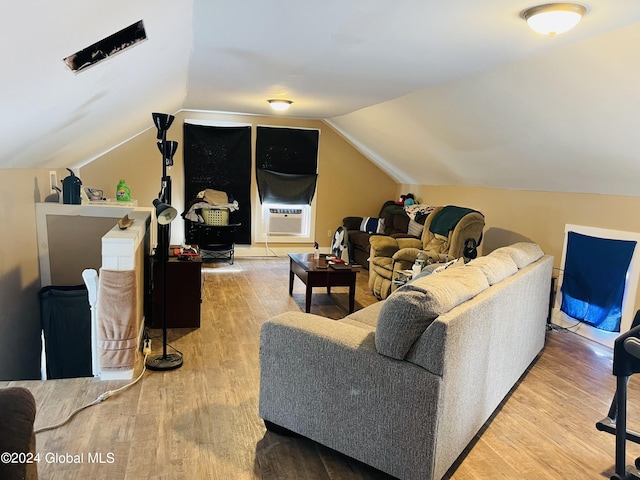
219 158
286 164
594 280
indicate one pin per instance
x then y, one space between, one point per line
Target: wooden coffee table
316 273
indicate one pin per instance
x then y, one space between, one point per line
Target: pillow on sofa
415 228
409 310
372 225
495 267
522 253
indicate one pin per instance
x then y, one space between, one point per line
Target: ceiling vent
125 38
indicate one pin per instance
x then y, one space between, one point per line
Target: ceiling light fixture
279 105
554 18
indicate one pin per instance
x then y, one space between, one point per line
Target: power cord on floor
103 396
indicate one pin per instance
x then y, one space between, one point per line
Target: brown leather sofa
17 437
396 224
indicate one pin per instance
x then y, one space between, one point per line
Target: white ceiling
434 92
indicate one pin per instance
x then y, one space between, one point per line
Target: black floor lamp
165 214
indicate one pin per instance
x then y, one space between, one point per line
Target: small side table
402 277
184 292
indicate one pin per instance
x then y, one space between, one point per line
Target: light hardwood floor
201 421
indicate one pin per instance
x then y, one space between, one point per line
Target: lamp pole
165 214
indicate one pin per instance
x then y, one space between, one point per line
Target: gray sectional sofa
405 384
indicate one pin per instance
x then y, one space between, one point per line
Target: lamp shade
554 18
168 148
165 213
162 121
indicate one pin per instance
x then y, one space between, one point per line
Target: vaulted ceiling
458 93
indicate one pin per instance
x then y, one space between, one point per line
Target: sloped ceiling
434 92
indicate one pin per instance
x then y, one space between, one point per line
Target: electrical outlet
329 233
147 346
53 180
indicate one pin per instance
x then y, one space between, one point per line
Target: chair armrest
406 255
351 223
383 246
409 243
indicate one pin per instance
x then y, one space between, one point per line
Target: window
286 177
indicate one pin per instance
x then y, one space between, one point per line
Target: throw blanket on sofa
447 219
418 212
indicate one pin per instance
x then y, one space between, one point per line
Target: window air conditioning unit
285 221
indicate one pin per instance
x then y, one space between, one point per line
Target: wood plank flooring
201 421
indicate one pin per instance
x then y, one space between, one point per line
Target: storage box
216 216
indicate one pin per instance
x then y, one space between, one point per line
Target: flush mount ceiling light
279 105
554 18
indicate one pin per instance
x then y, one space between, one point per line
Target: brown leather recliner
445 233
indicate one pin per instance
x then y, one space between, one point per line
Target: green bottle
123 193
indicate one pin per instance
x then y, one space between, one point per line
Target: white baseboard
561 319
272 251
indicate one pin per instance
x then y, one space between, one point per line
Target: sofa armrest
351 223
17 415
325 380
383 246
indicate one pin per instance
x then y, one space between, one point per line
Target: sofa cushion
495 267
395 220
522 253
365 316
359 239
409 310
372 225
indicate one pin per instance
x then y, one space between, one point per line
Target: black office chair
626 362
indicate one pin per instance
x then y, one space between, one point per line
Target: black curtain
219 158
286 164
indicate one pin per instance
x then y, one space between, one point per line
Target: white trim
600 336
267 250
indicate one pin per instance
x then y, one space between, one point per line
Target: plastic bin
215 216
65 315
